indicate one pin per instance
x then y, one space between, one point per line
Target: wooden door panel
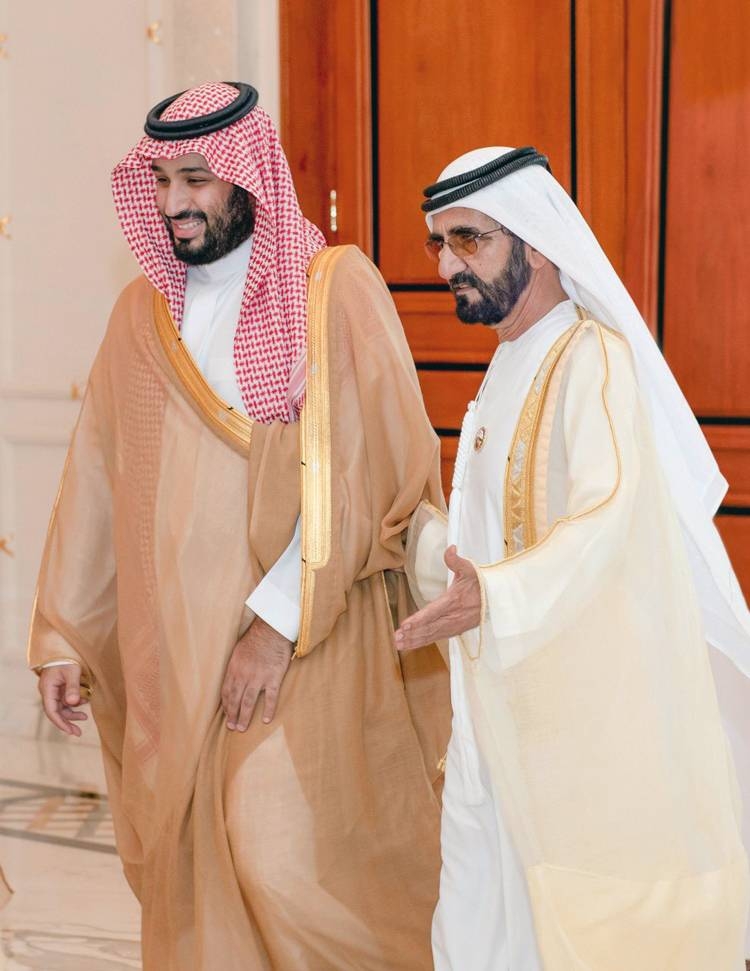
326 113
455 78
436 334
619 63
731 446
707 272
735 531
446 395
707 285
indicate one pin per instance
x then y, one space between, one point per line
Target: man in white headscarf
591 816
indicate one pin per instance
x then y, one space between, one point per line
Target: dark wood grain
450 80
707 285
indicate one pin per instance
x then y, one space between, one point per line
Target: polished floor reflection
72 909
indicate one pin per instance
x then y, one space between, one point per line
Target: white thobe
483 920
213 297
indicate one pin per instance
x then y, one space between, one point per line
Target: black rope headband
463 185
173 131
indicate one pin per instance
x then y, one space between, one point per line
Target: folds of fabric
592 695
311 842
361 382
531 203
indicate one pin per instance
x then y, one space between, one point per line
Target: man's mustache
186 214
464 278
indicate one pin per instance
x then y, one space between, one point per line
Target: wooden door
642 106
706 296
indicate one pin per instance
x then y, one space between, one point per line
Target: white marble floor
72 909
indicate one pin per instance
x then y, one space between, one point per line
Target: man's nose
449 264
176 199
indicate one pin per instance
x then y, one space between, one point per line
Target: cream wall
76 79
258 51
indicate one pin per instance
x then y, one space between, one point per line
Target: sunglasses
460 244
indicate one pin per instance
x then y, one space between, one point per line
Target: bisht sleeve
369 453
426 542
75 606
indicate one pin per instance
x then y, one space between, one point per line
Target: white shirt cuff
277 597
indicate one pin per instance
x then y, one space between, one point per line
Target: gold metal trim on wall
153 32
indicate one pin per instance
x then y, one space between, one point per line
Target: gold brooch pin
479 439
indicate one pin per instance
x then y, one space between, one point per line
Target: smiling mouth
186 228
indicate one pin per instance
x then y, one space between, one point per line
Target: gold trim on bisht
315 439
218 415
519 525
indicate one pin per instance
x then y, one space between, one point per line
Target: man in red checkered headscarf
250 449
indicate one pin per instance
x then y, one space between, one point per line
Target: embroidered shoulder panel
520 526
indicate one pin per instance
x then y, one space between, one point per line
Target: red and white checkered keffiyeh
270 340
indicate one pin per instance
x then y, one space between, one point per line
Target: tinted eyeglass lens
432 247
460 245
463 245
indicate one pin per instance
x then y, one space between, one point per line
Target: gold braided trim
315 439
506 563
217 414
599 330
520 529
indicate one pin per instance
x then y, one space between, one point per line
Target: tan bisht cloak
590 687
312 842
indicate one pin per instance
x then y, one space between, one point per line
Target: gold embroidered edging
315 440
217 414
540 467
519 526
438 513
599 328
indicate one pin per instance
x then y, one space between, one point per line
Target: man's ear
535 259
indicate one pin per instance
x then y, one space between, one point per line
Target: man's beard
225 230
497 298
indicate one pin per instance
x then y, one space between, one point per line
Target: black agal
174 131
460 186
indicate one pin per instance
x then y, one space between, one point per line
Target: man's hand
60 688
455 611
258 663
